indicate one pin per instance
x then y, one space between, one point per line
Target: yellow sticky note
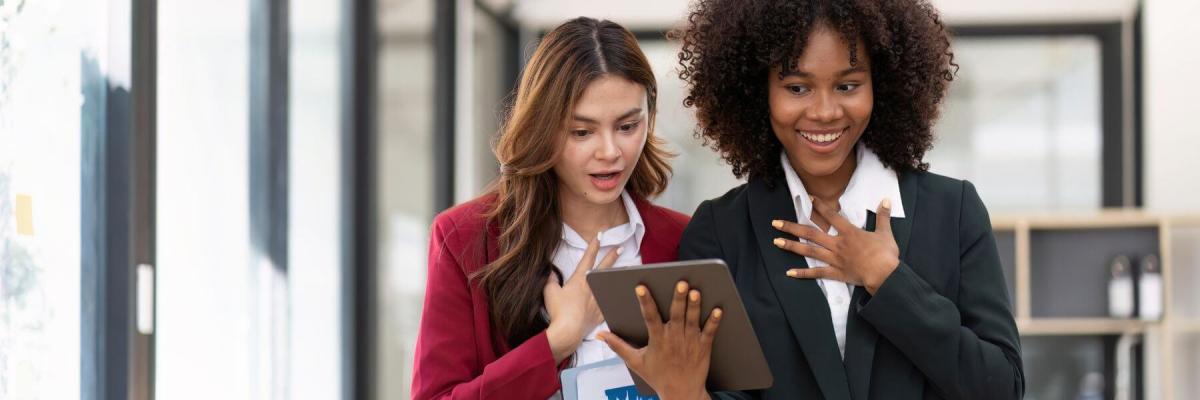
24 215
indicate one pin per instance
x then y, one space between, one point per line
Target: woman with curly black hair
865 276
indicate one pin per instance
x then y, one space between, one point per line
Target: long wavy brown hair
526 208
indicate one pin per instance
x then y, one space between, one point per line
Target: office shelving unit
1057 268
1181 326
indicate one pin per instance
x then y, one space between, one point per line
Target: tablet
737 359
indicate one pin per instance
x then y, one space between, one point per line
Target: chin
821 170
602 198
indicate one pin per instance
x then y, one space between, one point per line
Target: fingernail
777 224
599 235
640 290
779 242
717 313
886 203
792 273
694 295
681 287
619 249
811 198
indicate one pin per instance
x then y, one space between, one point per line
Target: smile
822 137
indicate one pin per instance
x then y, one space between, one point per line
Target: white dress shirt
570 250
870 183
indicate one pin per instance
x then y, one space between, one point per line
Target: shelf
1057 269
1186 326
1004 223
1100 219
1081 326
1184 220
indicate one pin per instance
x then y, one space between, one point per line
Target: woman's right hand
573 311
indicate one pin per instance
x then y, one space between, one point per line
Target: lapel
810 324
902 227
653 249
860 335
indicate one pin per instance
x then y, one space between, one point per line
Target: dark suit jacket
940 326
458 356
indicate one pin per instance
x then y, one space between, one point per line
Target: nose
825 108
608 150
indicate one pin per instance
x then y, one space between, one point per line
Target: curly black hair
730 45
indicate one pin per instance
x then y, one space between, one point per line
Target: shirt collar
635 218
635 228
870 183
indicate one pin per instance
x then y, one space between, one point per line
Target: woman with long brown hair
506 303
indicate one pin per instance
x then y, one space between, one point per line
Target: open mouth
823 137
606 181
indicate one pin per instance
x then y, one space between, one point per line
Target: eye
846 87
797 89
579 133
629 127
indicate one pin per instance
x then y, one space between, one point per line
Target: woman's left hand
854 256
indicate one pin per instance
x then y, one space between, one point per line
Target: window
314 186
1022 122
209 315
52 96
405 185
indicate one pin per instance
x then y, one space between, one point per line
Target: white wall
1171 136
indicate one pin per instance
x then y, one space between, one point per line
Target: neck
589 219
828 188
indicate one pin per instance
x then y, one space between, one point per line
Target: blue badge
626 393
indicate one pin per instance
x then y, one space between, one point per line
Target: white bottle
1120 288
1150 290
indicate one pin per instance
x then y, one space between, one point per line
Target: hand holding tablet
676 357
685 352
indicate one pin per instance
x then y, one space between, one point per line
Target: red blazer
458 356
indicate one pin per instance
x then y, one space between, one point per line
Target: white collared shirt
870 183
570 250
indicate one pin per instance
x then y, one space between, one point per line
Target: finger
610 259
883 217
627 352
842 224
650 313
710 327
806 250
678 304
693 310
588 260
804 232
817 273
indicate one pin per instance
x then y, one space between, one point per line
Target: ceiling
663 14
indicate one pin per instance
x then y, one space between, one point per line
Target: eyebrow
847 71
627 114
